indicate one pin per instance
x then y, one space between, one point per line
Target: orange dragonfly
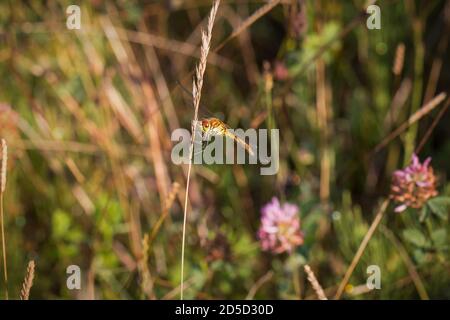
216 127
212 126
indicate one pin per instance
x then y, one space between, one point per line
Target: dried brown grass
4 163
416 116
248 22
314 283
196 94
399 59
2 221
362 247
27 282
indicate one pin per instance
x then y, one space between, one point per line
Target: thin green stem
411 135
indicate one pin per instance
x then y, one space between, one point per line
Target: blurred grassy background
88 115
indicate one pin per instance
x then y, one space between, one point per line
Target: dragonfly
212 126
216 127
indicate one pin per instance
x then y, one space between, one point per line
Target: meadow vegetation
88 180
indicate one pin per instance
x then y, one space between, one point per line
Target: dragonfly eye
205 124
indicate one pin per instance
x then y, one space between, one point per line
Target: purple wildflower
414 185
280 227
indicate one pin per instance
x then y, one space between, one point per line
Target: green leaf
439 237
419 256
423 213
415 237
440 206
294 262
61 222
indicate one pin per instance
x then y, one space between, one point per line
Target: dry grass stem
431 128
4 163
2 221
408 262
166 209
419 114
399 59
179 47
314 283
196 93
361 248
147 281
248 22
27 282
398 101
258 284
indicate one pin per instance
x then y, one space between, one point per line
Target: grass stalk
314 283
419 114
2 221
196 94
361 248
27 282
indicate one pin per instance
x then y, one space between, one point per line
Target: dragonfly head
205 125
